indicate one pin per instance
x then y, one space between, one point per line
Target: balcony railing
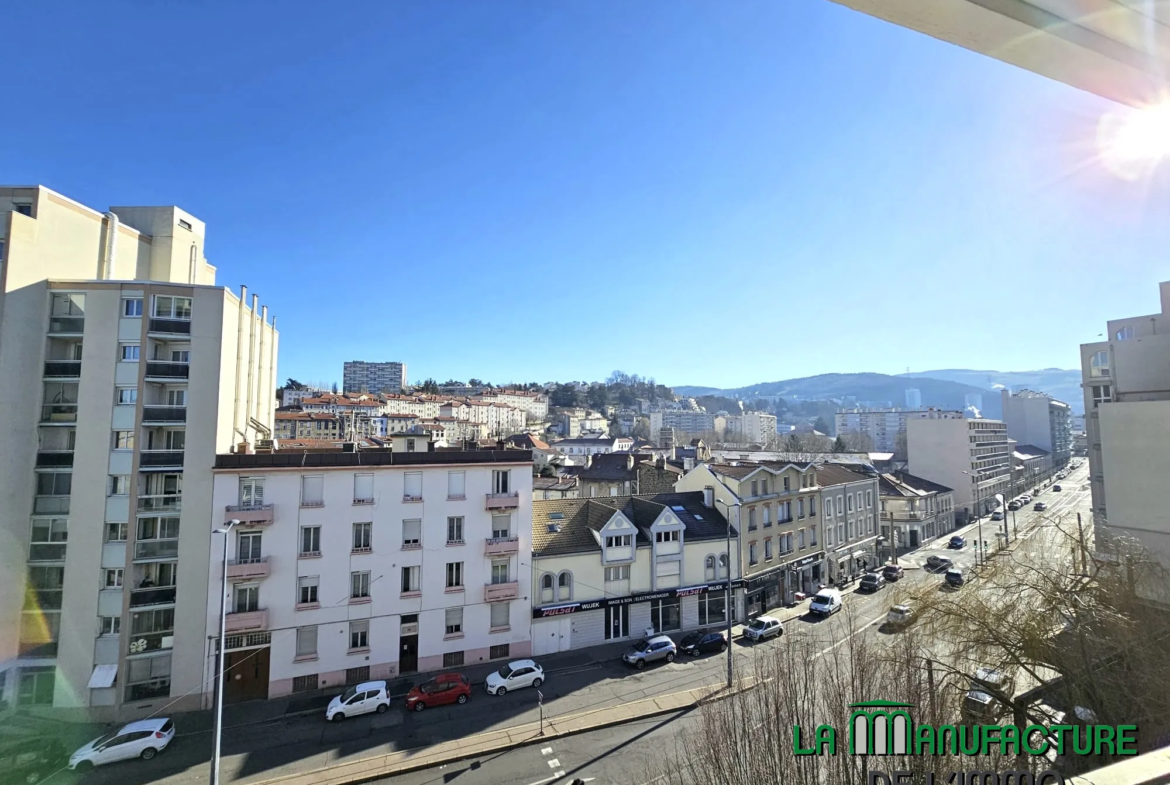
503 501
500 546
167 502
162 369
250 514
46 551
66 325
163 414
51 505
156 549
169 326
160 459
247 620
494 592
248 569
161 595
54 459
142 642
62 369
59 412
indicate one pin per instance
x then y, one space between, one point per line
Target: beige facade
971 456
124 371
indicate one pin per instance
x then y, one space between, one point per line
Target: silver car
660 647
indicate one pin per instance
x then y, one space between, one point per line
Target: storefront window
712 609
666 614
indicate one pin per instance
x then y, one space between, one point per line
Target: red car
443 689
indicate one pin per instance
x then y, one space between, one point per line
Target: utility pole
1084 550
219 660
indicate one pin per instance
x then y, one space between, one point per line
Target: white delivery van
826 603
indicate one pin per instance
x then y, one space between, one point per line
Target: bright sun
1132 142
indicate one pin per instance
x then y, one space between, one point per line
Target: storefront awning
103 676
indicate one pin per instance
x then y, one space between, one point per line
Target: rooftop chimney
708 496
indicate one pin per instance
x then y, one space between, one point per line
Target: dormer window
619 541
667 536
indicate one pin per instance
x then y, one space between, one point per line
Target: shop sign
593 605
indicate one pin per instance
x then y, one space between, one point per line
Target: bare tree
856 441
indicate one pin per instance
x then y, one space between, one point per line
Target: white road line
554 763
546 751
553 778
558 775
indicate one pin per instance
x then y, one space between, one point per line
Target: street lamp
727 605
978 515
219 656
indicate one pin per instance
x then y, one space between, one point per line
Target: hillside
1064 385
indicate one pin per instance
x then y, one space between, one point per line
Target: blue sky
715 193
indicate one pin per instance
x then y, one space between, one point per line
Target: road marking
859 630
554 777
554 763
546 751
558 775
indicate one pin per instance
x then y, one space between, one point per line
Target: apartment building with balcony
971 456
615 568
883 426
776 507
914 510
347 566
360 376
1039 420
849 516
124 371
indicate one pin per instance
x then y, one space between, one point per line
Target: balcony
150 550
501 546
54 459
66 325
242 621
494 592
250 514
51 505
503 501
160 459
169 326
248 569
161 595
62 369
166 502
164 371
53 413
163 415
142 642
46 551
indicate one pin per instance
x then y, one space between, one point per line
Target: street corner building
624 567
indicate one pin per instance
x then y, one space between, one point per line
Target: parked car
893 572
957 542
364 698
938 563
28 760
871 582
762 628
660 647
826 603
1057 488
978 704
143 739
900 616
1039 506
1015 504
1027 497
439 691
514 675
954 577
700 642
997 516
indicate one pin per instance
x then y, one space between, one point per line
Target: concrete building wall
1133 449
950 451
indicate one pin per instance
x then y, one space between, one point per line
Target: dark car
893 572
1057 488
439 691
938 563
957 542
1039 506
955 577
700 642
30 760
871 581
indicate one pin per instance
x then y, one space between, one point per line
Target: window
869 499
359 635
800 508
412 533
767 516
247 599
251 491
848 501
454 575
755 488
123 440
456 485
54 483
305 683
116 532
786 543
119 484
565 586
499 652
132 306
412 486
313 490
840 533
800 539
357 675
666 536
1099 364
127 395
1124 334
666 614
501 481
1102 393
712 608
752 557
48 539
176 397
723 565
109 625
310 541
617 573
828 535
410 579
500 571
453 659
812 506
812 536
363 489
307 641
546 587
362 534
307 589
113 579
708 568
501 613
248 547
829 507
172 307
501 527
768 549
454 621
359 585
751 518
786 486
618 541
455 530
23 209
129 352
64 304
148 677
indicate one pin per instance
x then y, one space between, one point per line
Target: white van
826 603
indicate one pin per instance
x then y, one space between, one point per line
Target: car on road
443 689
826 603
871 582
364 698
763 627
1015 504
142 739
655 649
1057 488
513 676
938 563
893 572
1027 497
1039 506
28 760
700 642
954 577
900 616
997 516
957 542
978 704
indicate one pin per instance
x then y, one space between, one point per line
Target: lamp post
978 515
219 655
727 605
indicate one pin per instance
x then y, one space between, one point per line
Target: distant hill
1064 385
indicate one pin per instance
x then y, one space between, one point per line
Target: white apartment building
849 515
1041 421
751 427
345 405
1127 401
424 407
291 397
687 421
535 404
499 419
972 456
884 425
350 566
913 398
617 568
124 371
577 450
914 510
368 377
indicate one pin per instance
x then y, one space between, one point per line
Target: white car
143 739
763 627
359 699
514 675
900 616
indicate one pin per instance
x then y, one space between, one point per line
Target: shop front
805 574
852 560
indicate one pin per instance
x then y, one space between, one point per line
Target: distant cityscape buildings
360 376
913 398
